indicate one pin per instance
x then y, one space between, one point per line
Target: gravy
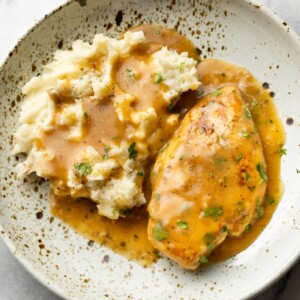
129 236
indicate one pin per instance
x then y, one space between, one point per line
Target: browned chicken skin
210 180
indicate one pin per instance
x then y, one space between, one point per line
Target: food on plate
89 127
102 114
210 180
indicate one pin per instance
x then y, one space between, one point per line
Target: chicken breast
209 181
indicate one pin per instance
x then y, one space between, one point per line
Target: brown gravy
102 126
129 236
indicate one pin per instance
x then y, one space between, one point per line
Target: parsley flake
282 151
159 232
141 173
216 93
106 150
158 78
270 200
251 188
132 152
214 212
200 94
247 113
131 75
181 67
262 171
83 168
203 259
259 210
248 228
297 171
125 211
245 134
224 228
209 238
239 157
183 225
171 106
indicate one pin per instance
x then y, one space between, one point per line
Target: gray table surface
16 16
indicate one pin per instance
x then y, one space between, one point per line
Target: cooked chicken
209 181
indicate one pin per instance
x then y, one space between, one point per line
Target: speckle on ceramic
79 269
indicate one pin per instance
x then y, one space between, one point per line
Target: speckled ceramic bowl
233 30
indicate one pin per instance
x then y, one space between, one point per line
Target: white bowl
246 34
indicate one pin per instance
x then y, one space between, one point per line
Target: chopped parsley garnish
200 94
220 160
132 152
131 75
182 225
224 228
141 173
259 210
214 212
85 114
247 176
245 134
270 200
251 188
297 171
158 78
106 150
181 67
83 168
239 157
171 106
159 232
203 259
209 238
262 171
125 211
216 93
282 151
248 228
223 137
247 113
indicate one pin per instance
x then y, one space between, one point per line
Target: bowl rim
41 278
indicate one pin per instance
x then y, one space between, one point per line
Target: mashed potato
95 116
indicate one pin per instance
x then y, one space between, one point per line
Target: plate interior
231 30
